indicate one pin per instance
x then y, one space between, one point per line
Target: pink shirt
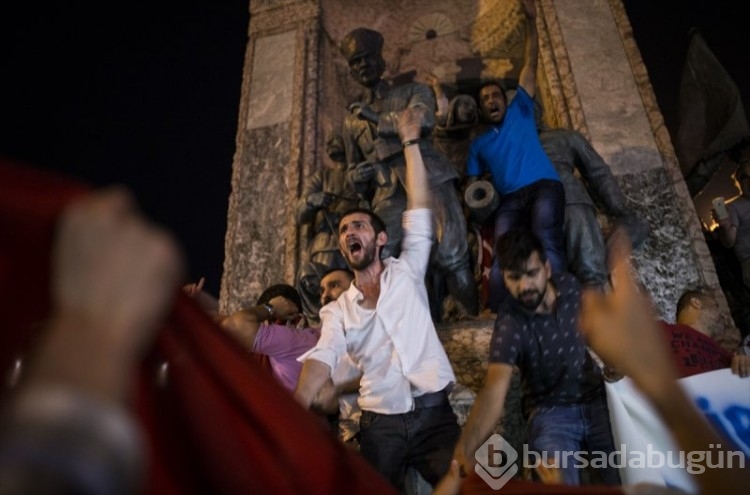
283 345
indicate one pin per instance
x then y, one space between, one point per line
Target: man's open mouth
354 247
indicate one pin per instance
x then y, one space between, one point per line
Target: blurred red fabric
218 423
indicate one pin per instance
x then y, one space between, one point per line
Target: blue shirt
511 151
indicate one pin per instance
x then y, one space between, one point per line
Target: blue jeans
554 430
423 439
539 207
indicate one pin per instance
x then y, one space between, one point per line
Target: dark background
148 95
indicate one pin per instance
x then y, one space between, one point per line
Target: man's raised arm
527 79
408 123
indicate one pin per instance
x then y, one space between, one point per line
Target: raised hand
193 289
112 269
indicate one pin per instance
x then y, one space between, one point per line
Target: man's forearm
243 325
416 179
527 78
82 357
484 415
312 378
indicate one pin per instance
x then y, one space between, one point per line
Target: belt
432 399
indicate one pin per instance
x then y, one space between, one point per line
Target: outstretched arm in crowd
527 78
114 276
243 325
408 124
206 301
484 415
621 328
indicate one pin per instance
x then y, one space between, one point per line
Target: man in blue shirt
531 193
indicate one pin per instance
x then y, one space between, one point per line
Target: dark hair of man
514 248
492 83
348 272
377 223
685 298
283 290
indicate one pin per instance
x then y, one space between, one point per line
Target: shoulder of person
566 283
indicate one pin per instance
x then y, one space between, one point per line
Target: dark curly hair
283 290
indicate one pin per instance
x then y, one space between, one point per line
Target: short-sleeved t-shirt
556 367
283 345
511 152
694 352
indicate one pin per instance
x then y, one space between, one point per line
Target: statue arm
601 184
421 98
306 211
702 173
354 158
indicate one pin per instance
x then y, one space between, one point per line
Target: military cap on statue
361 40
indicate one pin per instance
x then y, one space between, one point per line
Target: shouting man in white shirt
383 322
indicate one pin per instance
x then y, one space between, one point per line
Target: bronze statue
569 150
452 137
376 166
325 195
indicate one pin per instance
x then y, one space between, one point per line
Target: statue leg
308 286
584 243
451 253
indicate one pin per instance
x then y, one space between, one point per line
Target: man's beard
365 261
531 299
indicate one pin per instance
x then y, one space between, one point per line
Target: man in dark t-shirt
562 387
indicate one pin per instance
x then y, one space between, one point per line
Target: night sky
148 96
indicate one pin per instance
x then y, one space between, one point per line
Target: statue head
462 112
335 148
362 49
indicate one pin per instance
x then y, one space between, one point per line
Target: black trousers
423 439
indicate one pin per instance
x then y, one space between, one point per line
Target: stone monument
296 87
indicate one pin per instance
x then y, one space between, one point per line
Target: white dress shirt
394 345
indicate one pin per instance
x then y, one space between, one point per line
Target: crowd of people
357 343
